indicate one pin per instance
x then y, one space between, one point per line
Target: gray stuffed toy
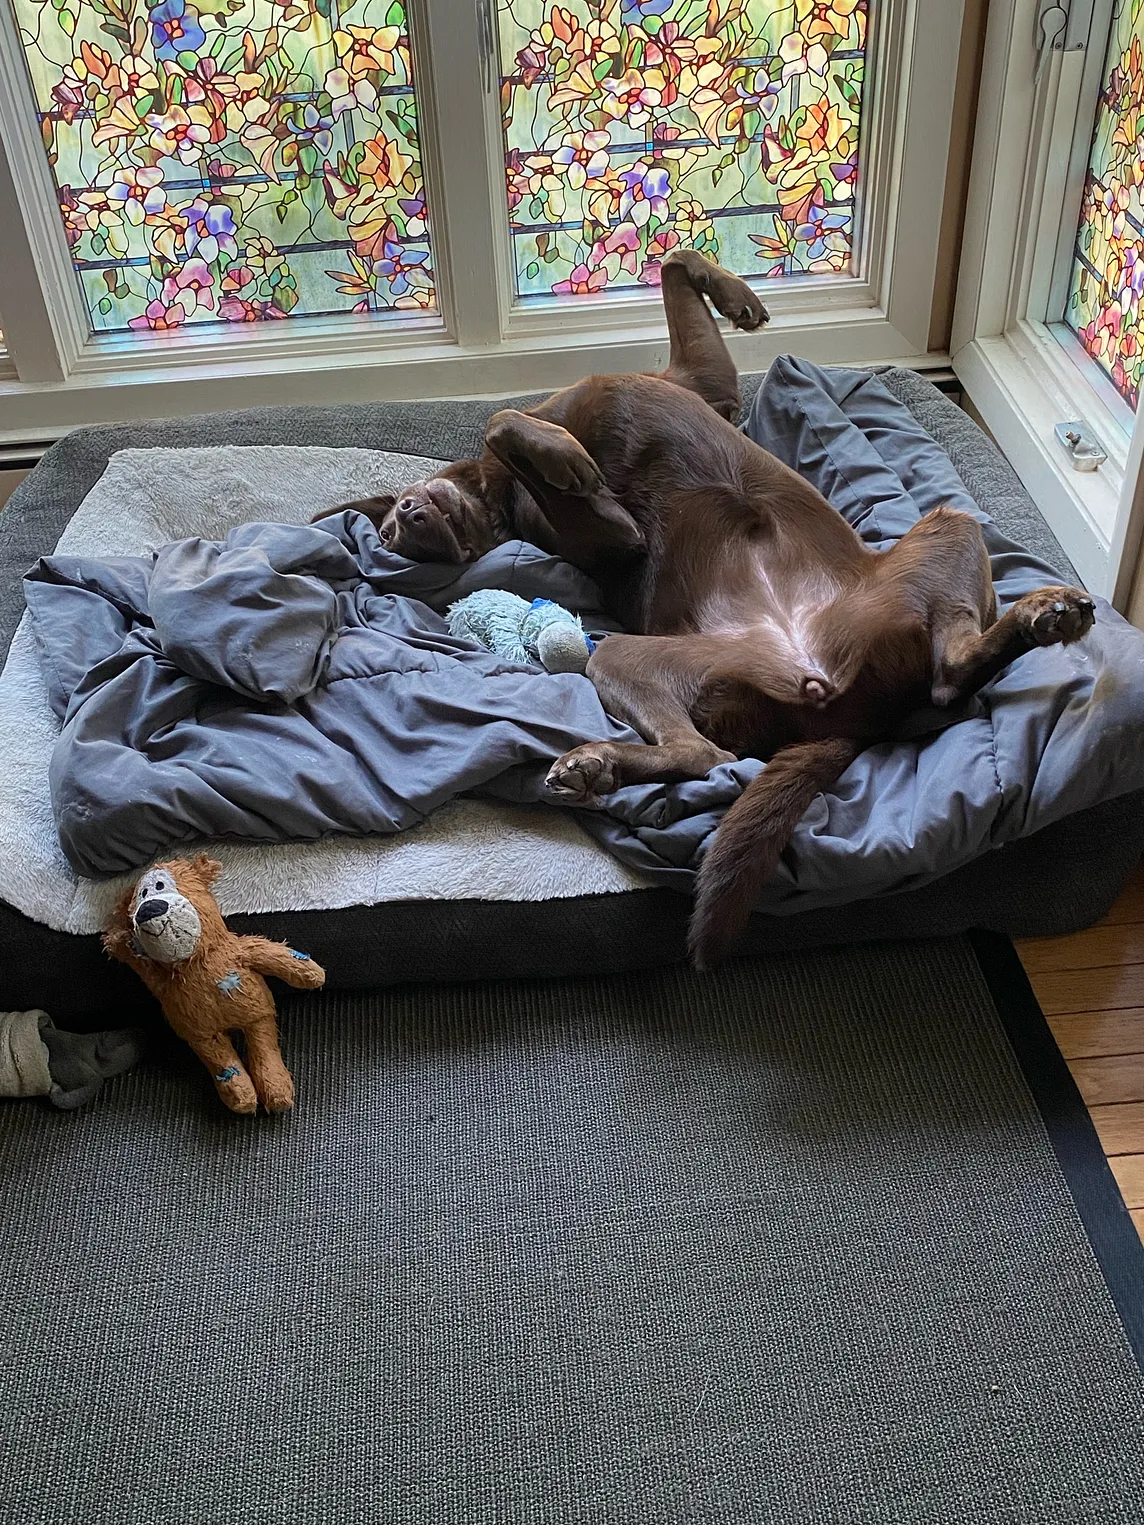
37 1059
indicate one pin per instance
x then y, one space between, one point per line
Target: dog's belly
782 621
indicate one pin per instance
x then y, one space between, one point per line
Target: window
1104 306
659 124
1048 322
232 202
232 164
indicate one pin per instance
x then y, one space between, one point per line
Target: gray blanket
293 682
288 683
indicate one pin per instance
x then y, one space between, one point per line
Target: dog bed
481 889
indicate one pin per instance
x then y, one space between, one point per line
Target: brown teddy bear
209 982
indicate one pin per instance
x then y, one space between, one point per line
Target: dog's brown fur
766 628
194 1002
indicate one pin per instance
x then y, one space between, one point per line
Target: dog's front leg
569 487
650 682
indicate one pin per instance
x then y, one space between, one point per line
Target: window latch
1079 443
1052 23
1062 26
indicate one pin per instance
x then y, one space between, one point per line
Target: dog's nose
410 511
150 909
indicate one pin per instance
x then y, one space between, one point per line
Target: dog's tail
746 848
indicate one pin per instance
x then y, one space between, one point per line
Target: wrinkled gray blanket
293 682
287 683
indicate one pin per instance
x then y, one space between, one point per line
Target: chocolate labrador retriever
765 627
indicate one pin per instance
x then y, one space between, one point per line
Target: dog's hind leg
650 682
699 359
941 567
967 657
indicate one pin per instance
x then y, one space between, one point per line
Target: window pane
1104 305
633 127
234 160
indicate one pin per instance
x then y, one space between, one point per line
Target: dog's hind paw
737 302
1056 616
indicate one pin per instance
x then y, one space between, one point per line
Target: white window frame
1022 369
481 343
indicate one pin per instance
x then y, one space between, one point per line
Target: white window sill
424 366
1020 388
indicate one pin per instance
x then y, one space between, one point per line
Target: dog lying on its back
764 627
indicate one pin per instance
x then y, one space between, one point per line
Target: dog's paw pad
1058 616
583 776
750 316
736 301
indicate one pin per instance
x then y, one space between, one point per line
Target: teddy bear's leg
232 1082
264 1060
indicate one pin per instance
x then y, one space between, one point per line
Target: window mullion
463 171
929 78
1083 114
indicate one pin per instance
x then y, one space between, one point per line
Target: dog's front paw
570 471
1056 616
584 775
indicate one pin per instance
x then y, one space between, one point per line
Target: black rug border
1072 1133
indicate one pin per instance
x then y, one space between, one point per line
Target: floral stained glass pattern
232 160
1105 305
633 127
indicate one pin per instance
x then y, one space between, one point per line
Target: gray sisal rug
802 1241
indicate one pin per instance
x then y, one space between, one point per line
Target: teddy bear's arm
118 944
283 963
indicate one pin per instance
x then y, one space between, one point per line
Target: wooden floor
1091 989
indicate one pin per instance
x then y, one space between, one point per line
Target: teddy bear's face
166 925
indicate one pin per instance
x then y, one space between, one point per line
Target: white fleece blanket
468 850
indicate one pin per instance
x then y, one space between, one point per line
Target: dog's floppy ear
207 869
375 509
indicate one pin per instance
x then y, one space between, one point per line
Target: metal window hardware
1062 26
486 44
1079 443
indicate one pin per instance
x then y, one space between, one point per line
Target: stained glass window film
232 160
633 127
1104 302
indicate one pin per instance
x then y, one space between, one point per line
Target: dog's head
168 910
449 517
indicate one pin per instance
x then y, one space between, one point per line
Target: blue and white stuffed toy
510 626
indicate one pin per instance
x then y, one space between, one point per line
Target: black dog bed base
397 942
